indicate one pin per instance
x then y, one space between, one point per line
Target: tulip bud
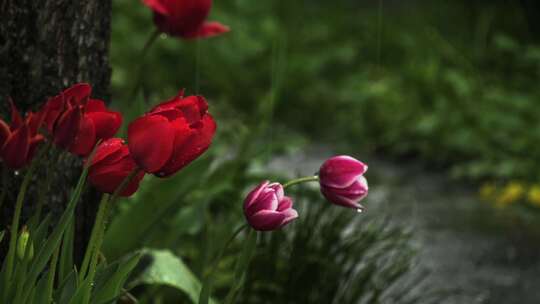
23 242
111 164
185 18
266 208
342 181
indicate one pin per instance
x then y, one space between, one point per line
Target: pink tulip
266 208
342 181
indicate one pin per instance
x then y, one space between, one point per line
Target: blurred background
439 98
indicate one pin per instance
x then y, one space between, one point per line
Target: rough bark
46 46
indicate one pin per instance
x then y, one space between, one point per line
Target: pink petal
265 201
341 171
285 203
254 194
290 215
266 220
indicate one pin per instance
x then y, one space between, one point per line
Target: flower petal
150 142
16 149
106 123
208 29
189 144
266 220
4 133
85 139
341 171
254 194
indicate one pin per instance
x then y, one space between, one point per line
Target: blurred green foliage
452 84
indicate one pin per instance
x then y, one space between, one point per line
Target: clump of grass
335 255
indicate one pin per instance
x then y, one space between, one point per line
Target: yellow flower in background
487 191
511 193
533 196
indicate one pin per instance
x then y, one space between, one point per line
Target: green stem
226 246
100 231
300 181
15 223
140 70
51 274
204 296
91 243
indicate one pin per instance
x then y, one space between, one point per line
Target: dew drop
359 210
16 173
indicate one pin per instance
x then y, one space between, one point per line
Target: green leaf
165 268
112 287
54 239
129 228
41 292
242 264
66 255
67 288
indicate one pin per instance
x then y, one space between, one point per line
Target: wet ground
480 254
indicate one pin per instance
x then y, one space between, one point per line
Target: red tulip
76 122
171 135
266 208
185 18
111 164
98 123
19 142
342 181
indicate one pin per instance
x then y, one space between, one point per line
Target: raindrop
359 210
16 173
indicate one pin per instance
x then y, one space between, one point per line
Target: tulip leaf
242 264
165 268
116 275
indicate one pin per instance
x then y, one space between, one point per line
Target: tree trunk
46 46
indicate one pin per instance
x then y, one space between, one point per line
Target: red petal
77 93
157 6
16 119
34 143
95 105
86 138
110 151
35 121
208 29
189 144
150 140
106 123
16 149
4 133
67 127
52 110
